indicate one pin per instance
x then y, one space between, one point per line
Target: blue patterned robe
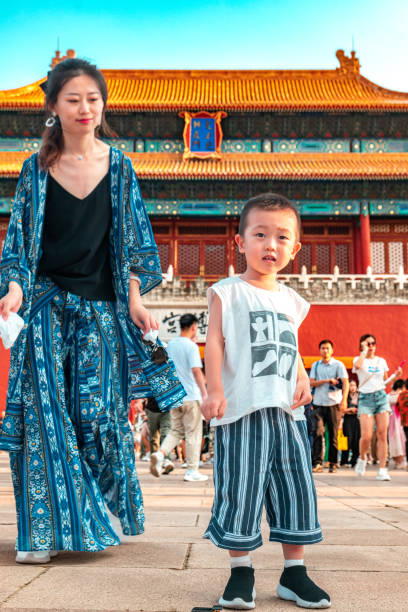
71 449
132 249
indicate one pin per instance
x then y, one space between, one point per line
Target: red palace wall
342 324
345 324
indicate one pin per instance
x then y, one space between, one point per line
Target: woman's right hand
12 301
364 347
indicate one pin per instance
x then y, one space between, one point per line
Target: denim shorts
373 403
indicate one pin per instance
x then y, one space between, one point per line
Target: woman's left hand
138 406
142 318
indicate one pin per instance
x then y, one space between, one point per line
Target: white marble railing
175 297
376 280
334 288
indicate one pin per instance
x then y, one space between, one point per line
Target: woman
351 427
396 435
372 403
78 255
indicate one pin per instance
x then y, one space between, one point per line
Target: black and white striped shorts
263 459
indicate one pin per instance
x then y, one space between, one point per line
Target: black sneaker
295 585
239 593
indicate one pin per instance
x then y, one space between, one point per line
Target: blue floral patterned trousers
78 452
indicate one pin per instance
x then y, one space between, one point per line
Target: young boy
257 387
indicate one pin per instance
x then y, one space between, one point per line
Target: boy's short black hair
187 320
267 201
325 342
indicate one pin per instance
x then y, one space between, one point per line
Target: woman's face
79 106
370 344
353 386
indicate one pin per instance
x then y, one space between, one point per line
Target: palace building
203 141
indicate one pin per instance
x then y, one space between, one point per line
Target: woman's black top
75 241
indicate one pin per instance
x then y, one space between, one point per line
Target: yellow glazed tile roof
247 91
11 163
341 89
234 166
282 166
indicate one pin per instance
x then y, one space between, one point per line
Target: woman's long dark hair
52 145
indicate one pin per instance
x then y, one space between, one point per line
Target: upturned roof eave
254 166
123 108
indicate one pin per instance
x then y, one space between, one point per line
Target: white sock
292 562
245 560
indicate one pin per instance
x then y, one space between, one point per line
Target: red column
365 242
357 265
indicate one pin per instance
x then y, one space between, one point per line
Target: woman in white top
373 403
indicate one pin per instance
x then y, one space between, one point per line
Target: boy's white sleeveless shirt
260 330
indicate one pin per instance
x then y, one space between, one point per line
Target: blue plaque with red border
202 134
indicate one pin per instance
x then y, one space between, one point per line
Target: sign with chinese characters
202 134
169 322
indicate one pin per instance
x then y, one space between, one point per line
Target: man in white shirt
186 421
330 381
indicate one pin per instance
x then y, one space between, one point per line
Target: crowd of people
182 430
78 255
359 413
336 417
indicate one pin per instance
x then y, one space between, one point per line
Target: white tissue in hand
151 335
10 329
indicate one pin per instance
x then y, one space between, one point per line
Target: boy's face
269 241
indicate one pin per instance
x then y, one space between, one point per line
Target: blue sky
212 34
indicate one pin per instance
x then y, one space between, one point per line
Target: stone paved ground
363 561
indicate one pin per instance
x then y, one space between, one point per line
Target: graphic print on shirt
273 344
373 368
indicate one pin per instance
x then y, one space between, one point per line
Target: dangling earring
51 121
